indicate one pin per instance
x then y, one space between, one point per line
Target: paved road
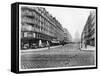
63 56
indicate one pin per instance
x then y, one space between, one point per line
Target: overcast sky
73 19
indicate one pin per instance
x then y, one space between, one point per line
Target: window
25 34
34 35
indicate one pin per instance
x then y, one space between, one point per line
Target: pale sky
73 19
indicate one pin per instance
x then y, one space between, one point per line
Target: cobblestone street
63 56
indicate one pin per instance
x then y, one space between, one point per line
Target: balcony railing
26 28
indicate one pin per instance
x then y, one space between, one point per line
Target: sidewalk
89 48
39 49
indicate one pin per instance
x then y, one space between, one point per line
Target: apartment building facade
38 27
89 32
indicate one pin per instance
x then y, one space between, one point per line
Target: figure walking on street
48 45
85 44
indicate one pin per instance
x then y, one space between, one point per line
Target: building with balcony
67 36
89 32
38 27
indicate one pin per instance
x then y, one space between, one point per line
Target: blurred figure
48 45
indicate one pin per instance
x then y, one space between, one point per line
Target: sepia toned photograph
56 37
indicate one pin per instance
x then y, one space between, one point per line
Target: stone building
67 36
38 27
89 32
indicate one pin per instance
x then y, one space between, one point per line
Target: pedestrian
85 44
48 45
63 43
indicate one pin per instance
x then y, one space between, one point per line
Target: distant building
77 37
67 36
38 27
89 31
